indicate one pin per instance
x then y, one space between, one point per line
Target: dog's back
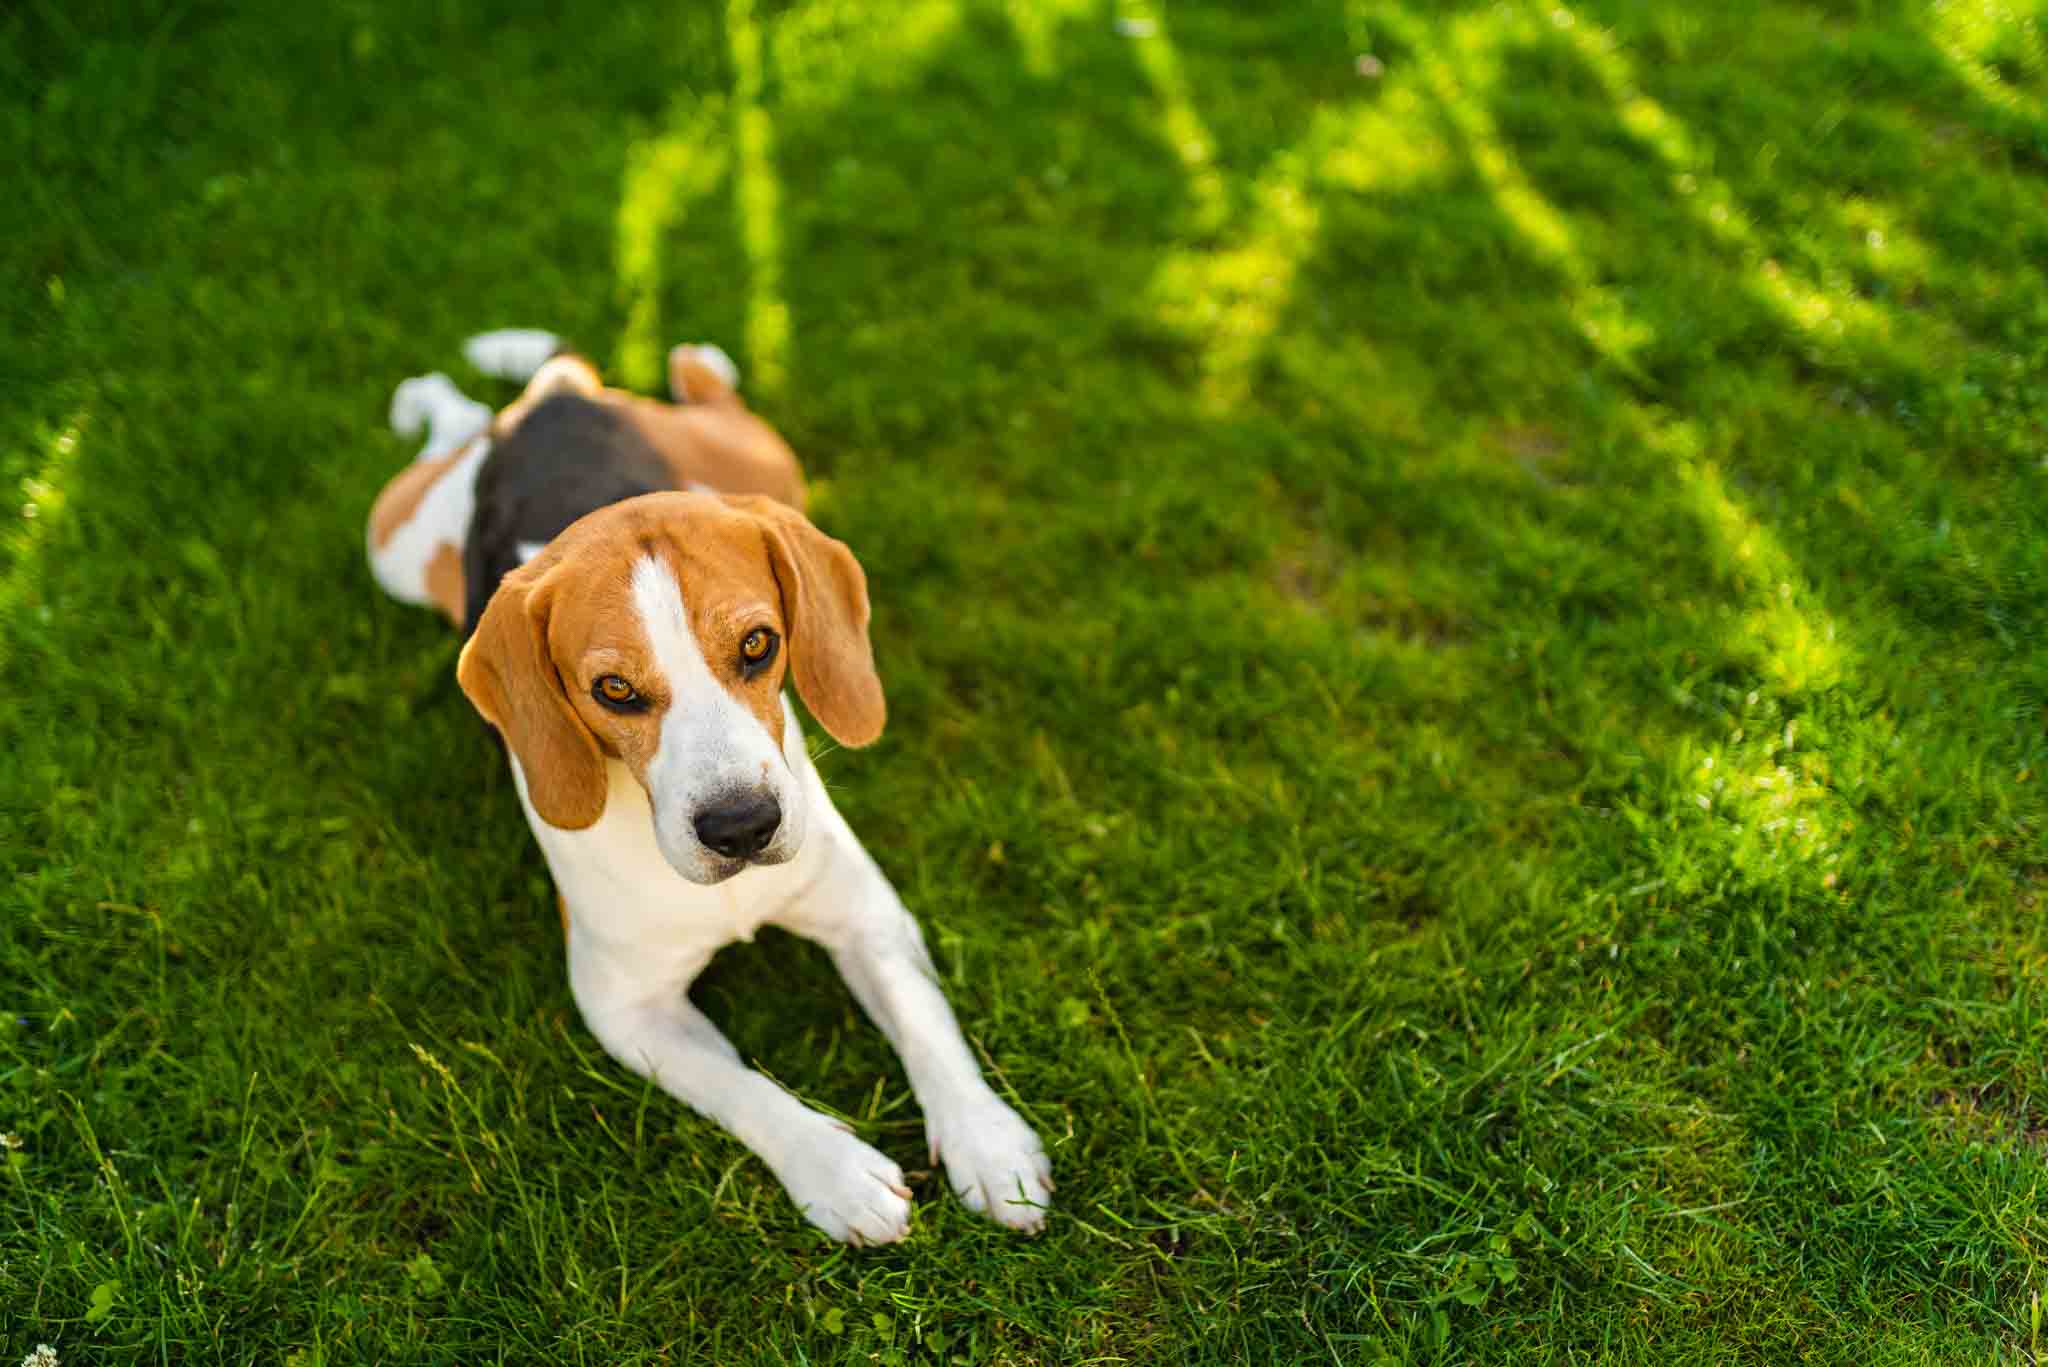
488 491
568 456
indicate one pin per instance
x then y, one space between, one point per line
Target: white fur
452 421
400 564
641 929
511 353
711 748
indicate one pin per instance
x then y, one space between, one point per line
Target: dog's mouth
709 869
720 869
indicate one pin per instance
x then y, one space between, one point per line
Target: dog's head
658 632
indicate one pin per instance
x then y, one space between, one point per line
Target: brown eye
757 648
615 691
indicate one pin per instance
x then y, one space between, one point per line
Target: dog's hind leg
421 518
511 353
702 373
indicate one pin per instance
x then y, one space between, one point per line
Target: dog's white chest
621 890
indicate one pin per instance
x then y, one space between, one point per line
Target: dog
637 581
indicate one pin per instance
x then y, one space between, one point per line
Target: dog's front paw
994 1161
844 1187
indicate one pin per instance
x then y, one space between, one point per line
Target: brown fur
567 618
508 670
720 445
444 580
825 593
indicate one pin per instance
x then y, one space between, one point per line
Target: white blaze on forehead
659 600
705 726
712 745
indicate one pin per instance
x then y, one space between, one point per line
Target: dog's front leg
843 1186
994 1160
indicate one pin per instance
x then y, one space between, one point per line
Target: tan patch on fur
401 498
721 445
692 381
444 581
713 441
507 669
825 597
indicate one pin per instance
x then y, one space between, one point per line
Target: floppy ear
825 602
511 679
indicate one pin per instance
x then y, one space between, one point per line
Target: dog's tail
511 353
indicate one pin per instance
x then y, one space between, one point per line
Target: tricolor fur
638 583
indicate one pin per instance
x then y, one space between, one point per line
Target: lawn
1462 588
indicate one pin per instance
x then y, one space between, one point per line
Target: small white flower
43 1356
10 1141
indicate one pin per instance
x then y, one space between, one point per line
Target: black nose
741 827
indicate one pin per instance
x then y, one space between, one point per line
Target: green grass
1466 648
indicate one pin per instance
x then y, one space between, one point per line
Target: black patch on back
569 457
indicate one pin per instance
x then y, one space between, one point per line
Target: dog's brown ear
510 677
825 603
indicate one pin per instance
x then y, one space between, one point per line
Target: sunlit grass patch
665 176
1459 70
1231 296
1181 124
758 202
1996 46
42 496
818 51
1795 645
1037 23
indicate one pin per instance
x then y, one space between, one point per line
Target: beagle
636 581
